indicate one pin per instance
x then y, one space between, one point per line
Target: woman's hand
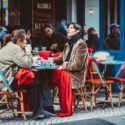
28 47
53 46
60 67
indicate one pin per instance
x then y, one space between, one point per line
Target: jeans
46 94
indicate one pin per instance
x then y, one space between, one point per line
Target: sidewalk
116 116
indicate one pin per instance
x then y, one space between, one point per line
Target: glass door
111 25
112 15
9 12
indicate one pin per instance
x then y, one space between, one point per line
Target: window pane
10 12
111 26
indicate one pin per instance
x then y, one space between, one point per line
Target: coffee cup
36 48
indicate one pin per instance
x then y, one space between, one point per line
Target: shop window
9 12
111 36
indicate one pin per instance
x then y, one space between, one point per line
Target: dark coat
57 38
112 42
93 41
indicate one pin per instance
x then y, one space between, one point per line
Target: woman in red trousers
72 72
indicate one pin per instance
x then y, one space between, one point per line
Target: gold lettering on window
43 5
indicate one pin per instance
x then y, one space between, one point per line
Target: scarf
71 43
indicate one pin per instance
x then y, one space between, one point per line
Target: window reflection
9 12
111 40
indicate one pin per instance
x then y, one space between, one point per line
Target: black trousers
33 91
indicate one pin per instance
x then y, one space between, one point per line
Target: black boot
42 114
49 109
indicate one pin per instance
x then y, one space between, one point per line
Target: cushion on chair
24 90
4 92
98 81
117 79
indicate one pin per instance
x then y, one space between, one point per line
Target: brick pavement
116 115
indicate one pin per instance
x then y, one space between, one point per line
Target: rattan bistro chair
98 82
80 96
55 95
8 97
120 83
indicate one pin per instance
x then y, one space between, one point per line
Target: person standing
112 41
85 32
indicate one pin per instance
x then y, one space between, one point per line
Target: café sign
42 14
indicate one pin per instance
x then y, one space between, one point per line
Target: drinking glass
42 62
43 48
110 58
36 48
50 59
47 63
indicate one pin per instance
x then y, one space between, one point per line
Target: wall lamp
91 11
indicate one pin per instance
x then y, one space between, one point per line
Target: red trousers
66 95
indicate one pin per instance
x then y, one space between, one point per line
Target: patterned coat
77 65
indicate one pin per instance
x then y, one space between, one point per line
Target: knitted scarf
71 43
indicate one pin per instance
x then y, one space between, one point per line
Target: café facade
34 14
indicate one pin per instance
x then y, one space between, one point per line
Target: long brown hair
14 37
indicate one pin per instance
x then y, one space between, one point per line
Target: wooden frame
11 95
96 84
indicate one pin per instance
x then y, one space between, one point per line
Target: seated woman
93 39
15 53
73 71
